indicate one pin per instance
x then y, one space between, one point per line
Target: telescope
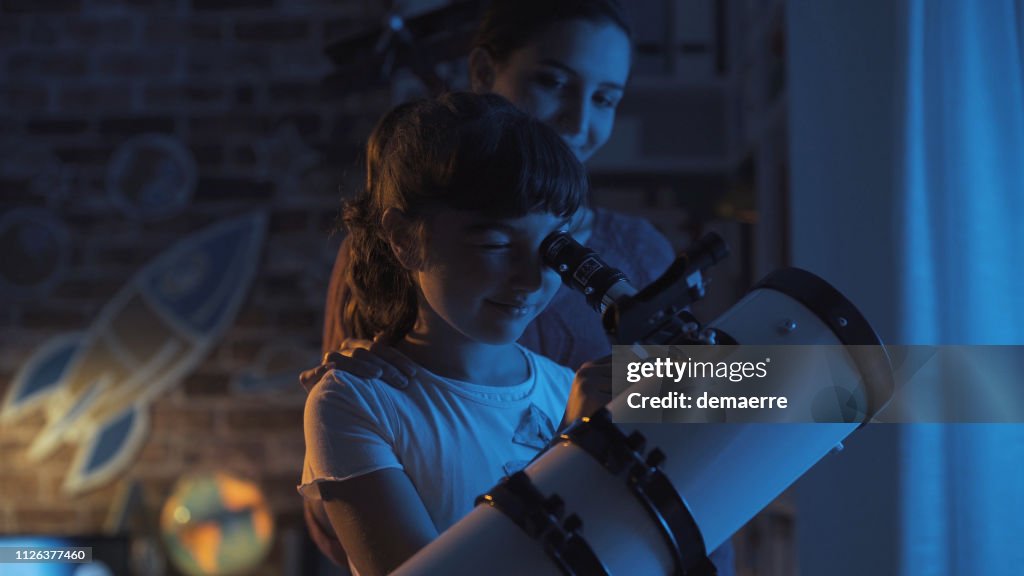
609 497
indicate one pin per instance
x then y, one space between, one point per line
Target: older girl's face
572 77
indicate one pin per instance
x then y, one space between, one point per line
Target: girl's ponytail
383 301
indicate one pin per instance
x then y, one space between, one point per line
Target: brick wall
237 84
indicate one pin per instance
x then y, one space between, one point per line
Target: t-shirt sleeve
349 431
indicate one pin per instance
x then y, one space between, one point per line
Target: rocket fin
110 448
55 431
40 375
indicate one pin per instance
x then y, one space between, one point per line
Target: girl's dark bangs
523 168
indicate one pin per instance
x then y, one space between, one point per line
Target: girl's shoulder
340 394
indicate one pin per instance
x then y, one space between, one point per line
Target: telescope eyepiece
584 270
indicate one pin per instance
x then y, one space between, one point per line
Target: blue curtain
963 255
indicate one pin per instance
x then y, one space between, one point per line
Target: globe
215 523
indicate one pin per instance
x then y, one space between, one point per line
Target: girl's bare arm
379 518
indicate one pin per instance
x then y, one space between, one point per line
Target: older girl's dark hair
462 151
508 25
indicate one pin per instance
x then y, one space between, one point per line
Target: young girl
447 273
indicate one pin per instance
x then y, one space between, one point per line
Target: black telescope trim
623 455
539 517
826 302
581 268
847 323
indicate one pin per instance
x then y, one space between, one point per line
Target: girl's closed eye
494 247
490 243
550 80
604 100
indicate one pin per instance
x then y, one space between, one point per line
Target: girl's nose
573 117
527 274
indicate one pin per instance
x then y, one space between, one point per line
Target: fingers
332 358
397 370
348 345
359 364
584 404
591 390
382 363
309 378
595 400
595 378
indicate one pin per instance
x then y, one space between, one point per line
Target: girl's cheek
540 105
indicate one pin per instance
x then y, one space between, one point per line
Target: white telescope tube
725 473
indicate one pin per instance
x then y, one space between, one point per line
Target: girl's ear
482 70
403 237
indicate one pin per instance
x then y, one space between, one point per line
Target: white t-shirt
455 440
